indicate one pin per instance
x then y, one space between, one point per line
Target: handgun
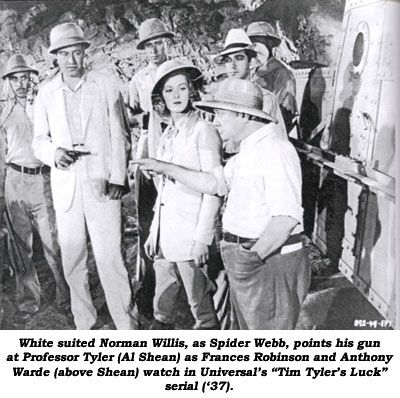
78 154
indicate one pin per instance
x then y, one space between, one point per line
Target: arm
120 141
204 182
133 97
42 144
283 194
150 243
288 118
275 235
287 98
138 117
210 147
3 151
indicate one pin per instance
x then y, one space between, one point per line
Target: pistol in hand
78 154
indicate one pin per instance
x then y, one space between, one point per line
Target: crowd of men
64 161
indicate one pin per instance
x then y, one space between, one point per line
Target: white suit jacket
183 215
104 129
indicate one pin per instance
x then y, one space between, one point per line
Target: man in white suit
81 112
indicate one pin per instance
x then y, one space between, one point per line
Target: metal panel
357 85
354 221
376 271
383 153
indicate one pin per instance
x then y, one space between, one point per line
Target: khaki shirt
140 89
274 76
18 129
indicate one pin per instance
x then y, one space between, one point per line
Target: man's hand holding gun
65 157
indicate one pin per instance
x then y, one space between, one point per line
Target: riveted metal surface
372 268
356 194
352 4
357 87
377 258
387 65
382 158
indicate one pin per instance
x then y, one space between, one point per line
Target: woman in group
184 221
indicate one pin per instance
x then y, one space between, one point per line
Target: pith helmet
262 28
17 63
236 40
237 95
65 35
151 29
172 66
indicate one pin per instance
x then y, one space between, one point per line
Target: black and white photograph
198 165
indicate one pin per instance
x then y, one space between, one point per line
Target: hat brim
19 69
141 43
67 43
193 72
218 58
276 39
211 106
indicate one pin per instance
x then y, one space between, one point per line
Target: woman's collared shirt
182 214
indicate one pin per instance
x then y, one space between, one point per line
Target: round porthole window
360 48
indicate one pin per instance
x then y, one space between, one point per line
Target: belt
28 170
228 237
293 243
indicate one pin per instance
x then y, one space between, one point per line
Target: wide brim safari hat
237 95
65 35
236 40
17 63
262 28
152 29
174 66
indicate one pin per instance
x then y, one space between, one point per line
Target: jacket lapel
59 106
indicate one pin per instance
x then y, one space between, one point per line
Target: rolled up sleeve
210 158
284 180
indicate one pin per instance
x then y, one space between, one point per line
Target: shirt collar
64 86
256 136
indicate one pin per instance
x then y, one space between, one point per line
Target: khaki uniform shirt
274 76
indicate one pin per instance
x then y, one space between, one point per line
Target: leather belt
293 243
232 238
28 170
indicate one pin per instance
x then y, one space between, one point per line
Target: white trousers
102 221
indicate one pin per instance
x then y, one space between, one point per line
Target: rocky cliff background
308 29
